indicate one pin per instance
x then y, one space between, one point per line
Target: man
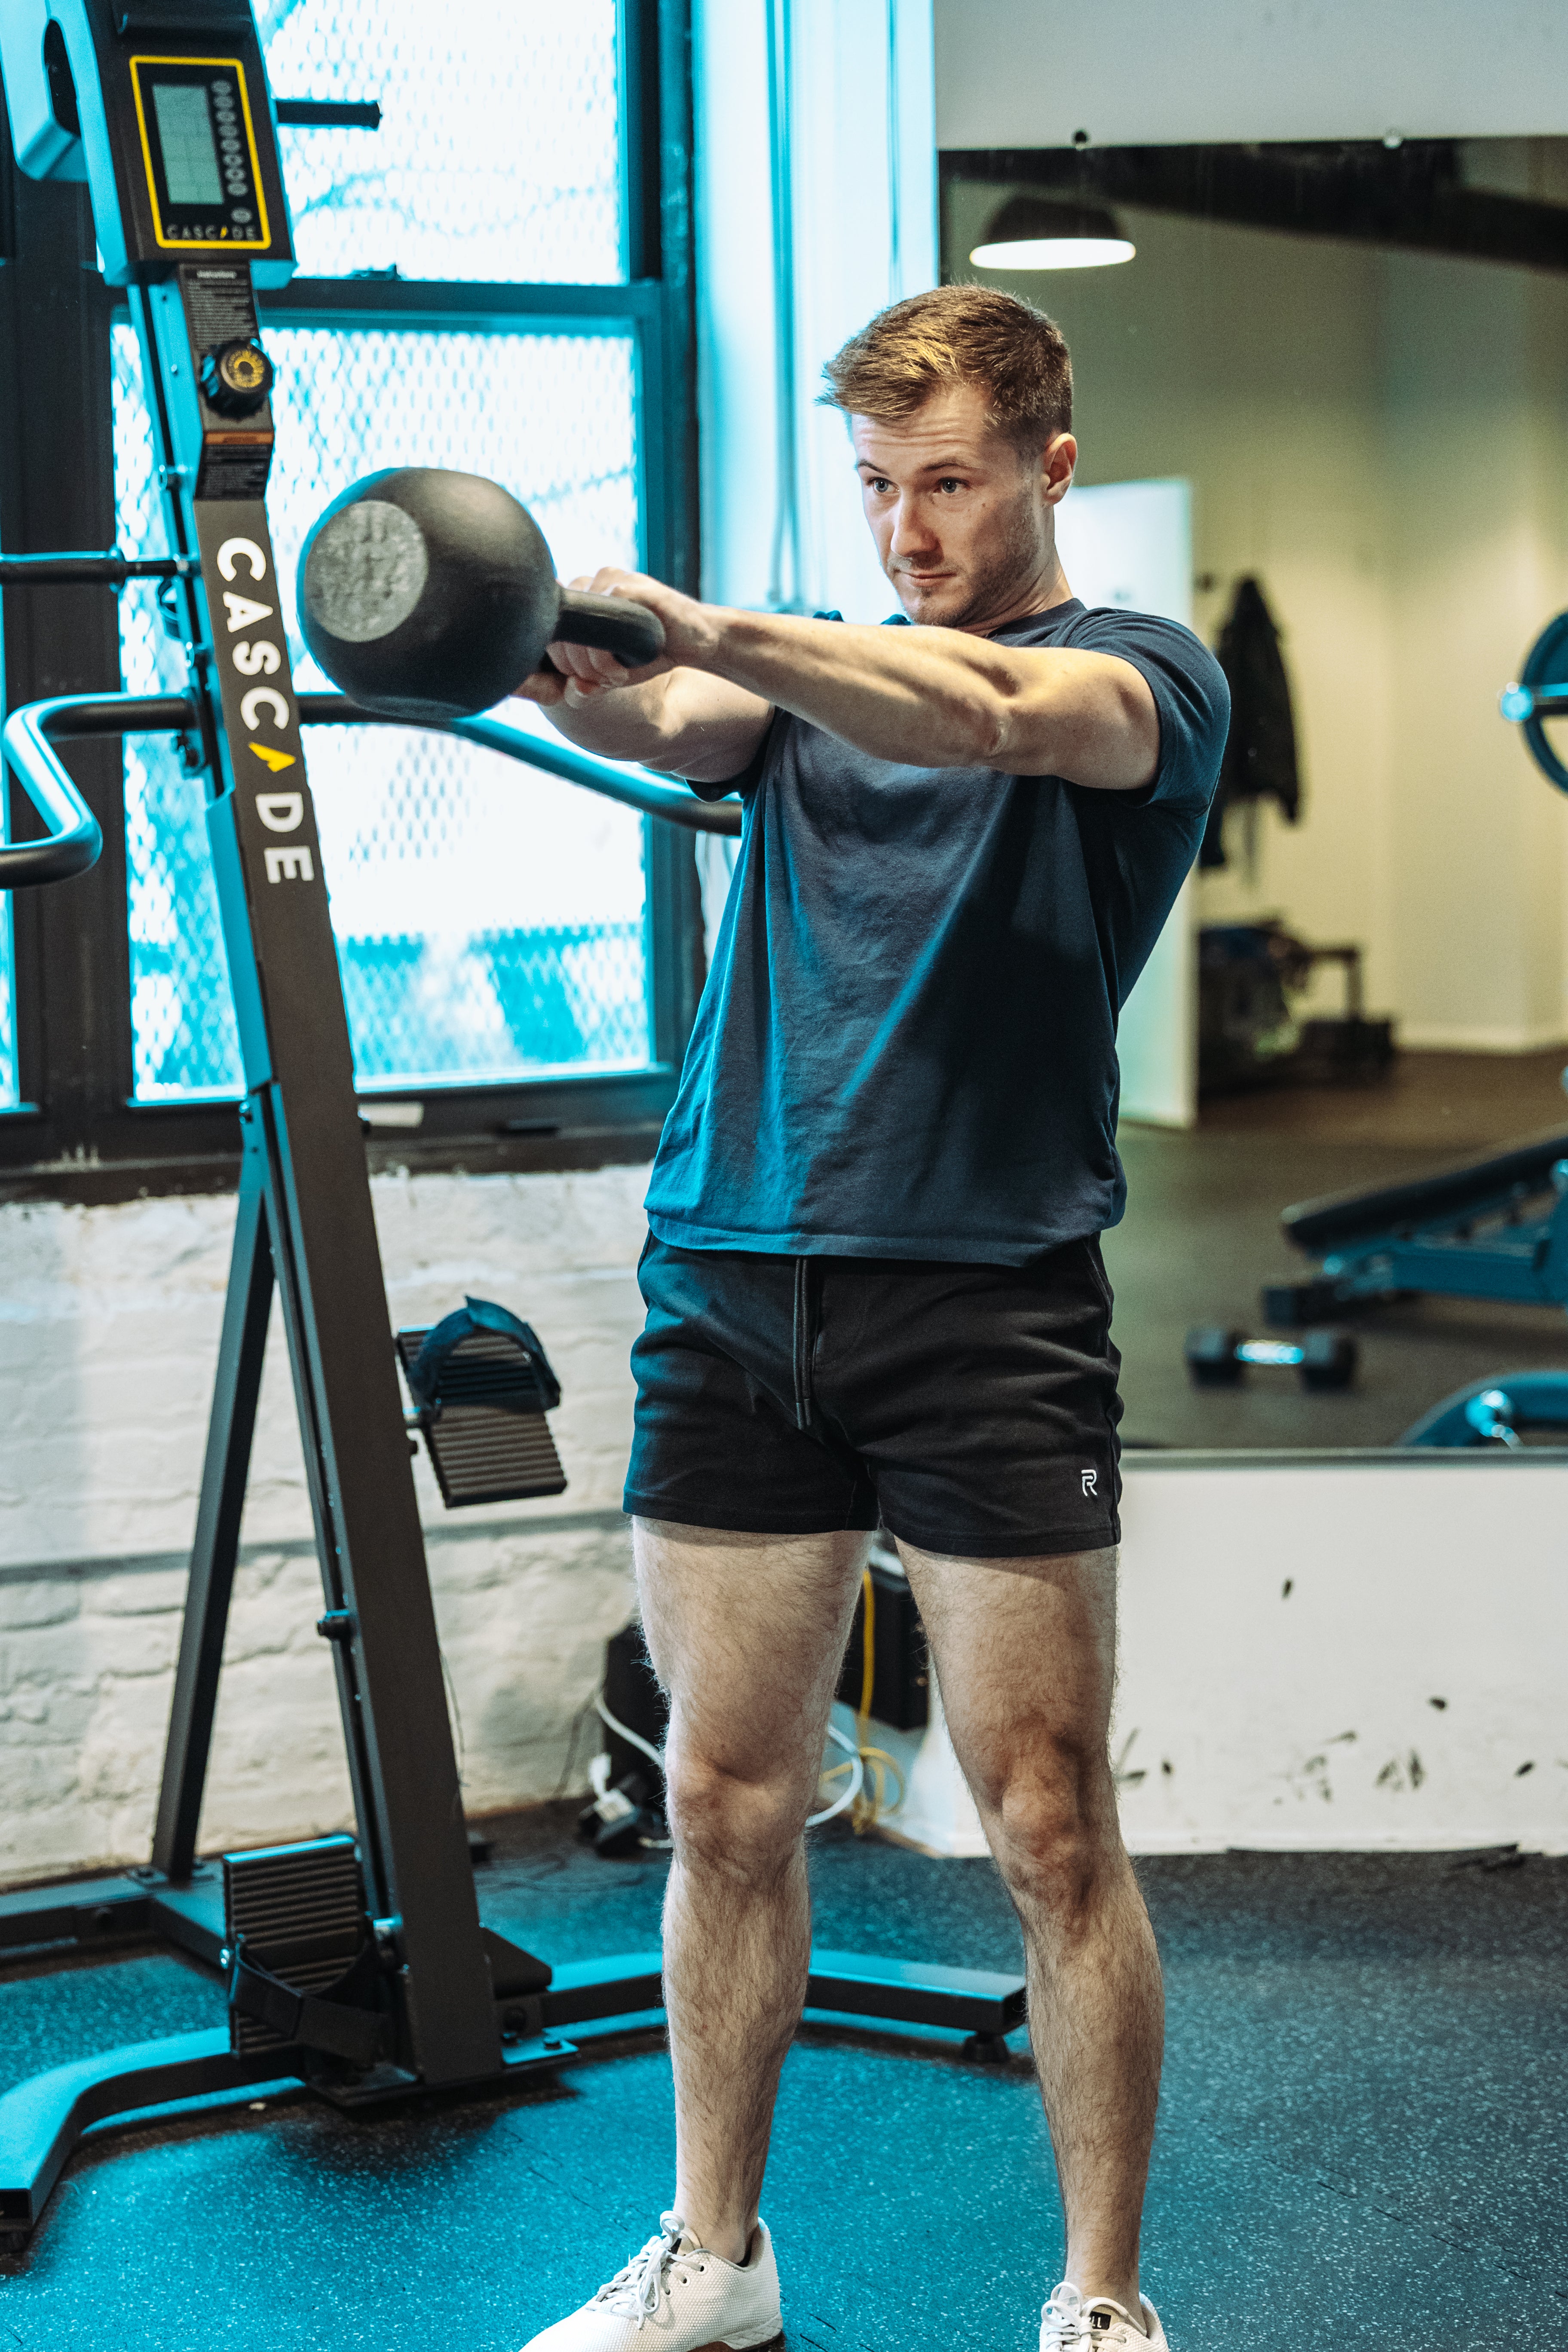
873 1278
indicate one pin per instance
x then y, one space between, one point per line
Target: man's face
962 519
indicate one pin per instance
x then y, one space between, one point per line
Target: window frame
76 1134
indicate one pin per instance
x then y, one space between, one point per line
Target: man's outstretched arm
927 698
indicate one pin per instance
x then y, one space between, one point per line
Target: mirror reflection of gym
1325 390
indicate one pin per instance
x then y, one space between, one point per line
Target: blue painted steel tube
75 839
642 792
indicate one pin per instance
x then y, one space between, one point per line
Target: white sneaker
676 2296
1068 2323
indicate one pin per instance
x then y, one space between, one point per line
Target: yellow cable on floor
873 1800
876 1766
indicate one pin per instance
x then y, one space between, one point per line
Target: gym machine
358 1965
1492 1228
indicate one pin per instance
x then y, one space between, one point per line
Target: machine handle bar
111 570
676 805
75 839
329 113
1521 702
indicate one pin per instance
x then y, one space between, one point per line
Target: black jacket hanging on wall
1260 750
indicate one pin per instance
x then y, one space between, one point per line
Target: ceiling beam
1410 197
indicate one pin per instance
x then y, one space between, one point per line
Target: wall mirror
1322 400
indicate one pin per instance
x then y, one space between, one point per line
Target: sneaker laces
1063 2324
634 2293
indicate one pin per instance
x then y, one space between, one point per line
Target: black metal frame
78 1136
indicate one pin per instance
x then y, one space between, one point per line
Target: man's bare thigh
1024 1652
746 1634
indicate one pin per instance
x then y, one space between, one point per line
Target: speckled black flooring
1202 1235
1364 2139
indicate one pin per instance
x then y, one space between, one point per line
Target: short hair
959 334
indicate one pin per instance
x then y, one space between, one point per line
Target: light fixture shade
1038 233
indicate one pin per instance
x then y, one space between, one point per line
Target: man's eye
950 482
880 483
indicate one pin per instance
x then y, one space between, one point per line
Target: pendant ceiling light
1035 233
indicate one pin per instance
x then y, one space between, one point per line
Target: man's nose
911 533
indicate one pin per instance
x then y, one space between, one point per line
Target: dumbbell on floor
427 594
1217 1358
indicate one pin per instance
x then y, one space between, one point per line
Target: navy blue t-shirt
907 1044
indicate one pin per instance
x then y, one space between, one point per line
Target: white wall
1029 73
1474 455
1319 1655
1415 1580
1286 1629
109 1332
1287 1625
1130 543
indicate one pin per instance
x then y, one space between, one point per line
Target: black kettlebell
426 594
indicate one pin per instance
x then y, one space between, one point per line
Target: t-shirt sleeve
1191 697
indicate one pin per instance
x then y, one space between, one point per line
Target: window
489 922
485 283
8 1095
500 152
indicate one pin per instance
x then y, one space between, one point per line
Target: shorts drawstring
803 1339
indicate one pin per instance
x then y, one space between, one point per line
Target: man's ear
1057 463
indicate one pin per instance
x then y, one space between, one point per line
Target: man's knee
1051 1811
747 1823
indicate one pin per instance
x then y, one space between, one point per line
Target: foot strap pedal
481 1385
302 1960
333 2019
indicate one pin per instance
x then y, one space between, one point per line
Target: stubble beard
993 583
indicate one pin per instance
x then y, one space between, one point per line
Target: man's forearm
625 725
683 723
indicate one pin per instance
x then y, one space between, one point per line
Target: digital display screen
204 171
190 148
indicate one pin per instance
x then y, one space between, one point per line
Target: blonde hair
959 334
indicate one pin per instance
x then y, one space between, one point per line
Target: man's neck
1048 589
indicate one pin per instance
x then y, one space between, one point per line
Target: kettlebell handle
615 624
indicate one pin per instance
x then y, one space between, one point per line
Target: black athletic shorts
970 1409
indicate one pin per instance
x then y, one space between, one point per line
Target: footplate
302 1962
481 1385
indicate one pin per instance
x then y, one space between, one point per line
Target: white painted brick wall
109 1329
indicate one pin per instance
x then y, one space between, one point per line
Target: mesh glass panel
185 1043
9 1095
498 156
490 919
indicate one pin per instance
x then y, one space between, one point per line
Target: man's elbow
1110 740
989 727
1139 718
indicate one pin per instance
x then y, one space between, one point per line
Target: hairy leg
1025 1656
746 1634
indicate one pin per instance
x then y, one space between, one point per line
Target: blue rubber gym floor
1364 2139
